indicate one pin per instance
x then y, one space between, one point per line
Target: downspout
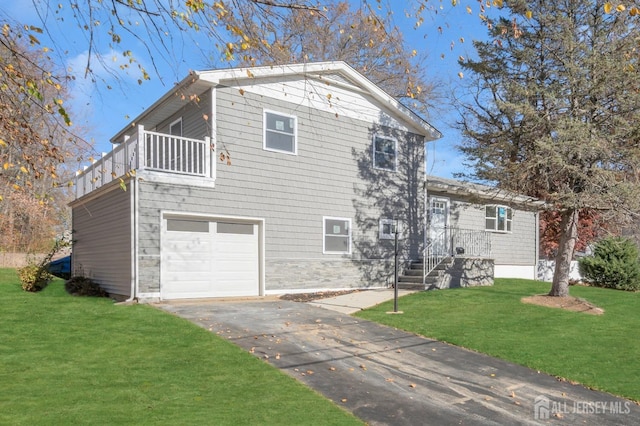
134 217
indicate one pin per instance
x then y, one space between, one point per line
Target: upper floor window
498 218
175 128
385 153
280 132
337 235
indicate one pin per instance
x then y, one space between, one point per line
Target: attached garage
210 257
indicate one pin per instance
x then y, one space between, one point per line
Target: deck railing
470 242
150 151
449 241
176 154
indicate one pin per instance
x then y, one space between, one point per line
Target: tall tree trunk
569 229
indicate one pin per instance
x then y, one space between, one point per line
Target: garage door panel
236 259
223 261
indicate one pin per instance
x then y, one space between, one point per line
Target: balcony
149 151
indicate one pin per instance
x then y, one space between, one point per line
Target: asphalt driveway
390 377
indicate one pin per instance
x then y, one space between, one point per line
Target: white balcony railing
149 151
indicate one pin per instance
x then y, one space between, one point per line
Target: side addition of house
477 221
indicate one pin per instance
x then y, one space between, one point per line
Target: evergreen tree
554 111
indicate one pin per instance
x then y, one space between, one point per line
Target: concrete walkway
359 300
389 377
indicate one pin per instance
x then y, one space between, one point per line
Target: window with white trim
385 153
336 235
175 128
498 218
387 230
280 132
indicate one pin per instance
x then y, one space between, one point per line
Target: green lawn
602 352
73 360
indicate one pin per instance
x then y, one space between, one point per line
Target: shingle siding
328 177
102 240
517 247
194 124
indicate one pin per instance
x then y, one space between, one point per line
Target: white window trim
264 132
173 123
386 221
373 153
498 206
324 234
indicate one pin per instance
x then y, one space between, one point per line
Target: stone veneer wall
468 272
284 275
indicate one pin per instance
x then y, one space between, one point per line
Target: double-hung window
385 153
280 132
498 218
337 235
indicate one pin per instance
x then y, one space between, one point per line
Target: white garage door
209 259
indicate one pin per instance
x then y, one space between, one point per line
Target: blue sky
445 35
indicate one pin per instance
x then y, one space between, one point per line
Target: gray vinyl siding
517 247
102 240
330 176
194 124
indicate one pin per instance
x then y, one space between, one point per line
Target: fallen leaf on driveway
412 385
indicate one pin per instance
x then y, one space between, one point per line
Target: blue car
61 267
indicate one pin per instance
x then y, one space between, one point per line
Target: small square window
337 235
280 132
388 229
385 152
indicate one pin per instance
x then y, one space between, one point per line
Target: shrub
614 264
83 286
34 277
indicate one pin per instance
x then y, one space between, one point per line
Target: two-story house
254 181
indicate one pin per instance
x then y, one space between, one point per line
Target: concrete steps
411 278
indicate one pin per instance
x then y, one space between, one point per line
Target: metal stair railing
434 254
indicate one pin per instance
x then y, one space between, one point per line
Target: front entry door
438 222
